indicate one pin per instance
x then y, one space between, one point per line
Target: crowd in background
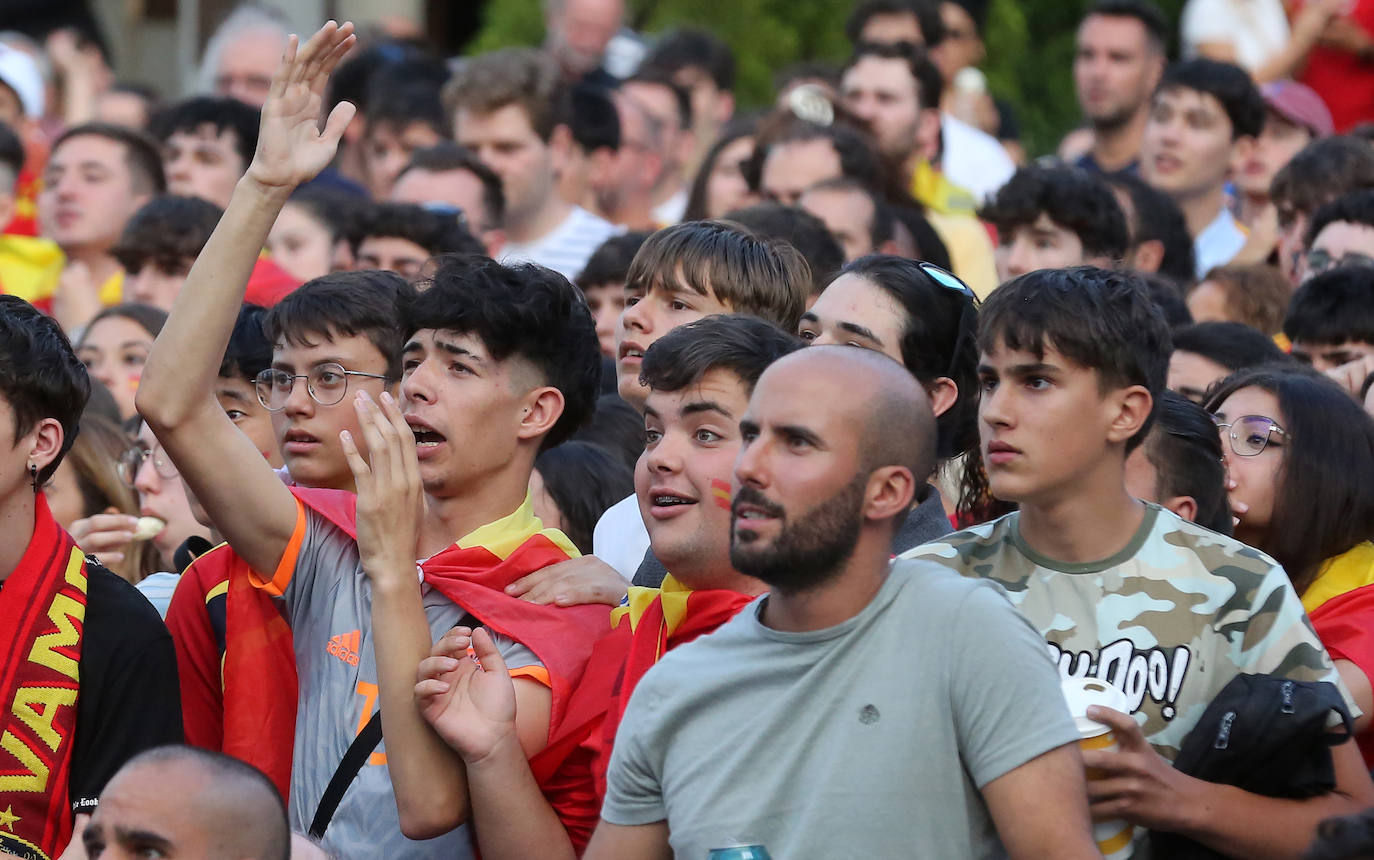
469 388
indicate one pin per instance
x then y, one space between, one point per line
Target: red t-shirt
1344 81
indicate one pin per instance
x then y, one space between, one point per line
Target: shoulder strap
353 761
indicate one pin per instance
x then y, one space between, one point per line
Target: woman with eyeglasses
1299 453
88 499
161 494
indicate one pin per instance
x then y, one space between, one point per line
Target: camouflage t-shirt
1168 620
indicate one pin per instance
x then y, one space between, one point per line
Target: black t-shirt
129 699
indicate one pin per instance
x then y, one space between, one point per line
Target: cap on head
1300 105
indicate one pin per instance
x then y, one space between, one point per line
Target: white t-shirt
1218 243
620 538
1256 29
670 211
973 159
565 248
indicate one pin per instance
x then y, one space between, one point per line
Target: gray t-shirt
329 605
868 739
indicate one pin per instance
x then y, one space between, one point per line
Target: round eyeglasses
327 384
1251 434
132 460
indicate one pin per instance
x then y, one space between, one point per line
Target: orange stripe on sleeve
281 577
537 674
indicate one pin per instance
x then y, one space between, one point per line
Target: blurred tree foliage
1030 46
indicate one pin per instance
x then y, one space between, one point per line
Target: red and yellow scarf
42 617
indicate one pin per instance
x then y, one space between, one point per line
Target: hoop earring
33 478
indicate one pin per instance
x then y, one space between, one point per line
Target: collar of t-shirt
1126 553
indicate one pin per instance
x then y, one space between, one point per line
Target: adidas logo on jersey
345 646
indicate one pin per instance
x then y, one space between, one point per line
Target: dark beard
807 552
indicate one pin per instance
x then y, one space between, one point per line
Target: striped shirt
565 248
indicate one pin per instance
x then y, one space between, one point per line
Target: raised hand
470 701
291 147
390 497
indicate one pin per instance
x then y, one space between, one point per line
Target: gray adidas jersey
329 603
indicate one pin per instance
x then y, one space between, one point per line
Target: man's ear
560 148
1241 150
541 409
943 394
1131 408
890 492
1184 506
46 443
1148 256
725 106
494 240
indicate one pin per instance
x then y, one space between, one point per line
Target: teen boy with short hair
1072 362
680 274
1052 217
1204 118
700 376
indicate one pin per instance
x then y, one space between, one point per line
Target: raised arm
239 490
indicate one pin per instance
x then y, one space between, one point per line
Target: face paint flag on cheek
720 491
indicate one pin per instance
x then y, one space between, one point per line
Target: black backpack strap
358 752
353 761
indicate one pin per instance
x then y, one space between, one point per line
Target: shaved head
837 441
888 407
189 802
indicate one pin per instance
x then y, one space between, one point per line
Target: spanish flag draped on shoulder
259 661
1340 602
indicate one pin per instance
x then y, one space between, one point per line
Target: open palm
471 706
291 147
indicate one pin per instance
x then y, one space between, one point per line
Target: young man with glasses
1341 234
1127 592
498 363
1331 324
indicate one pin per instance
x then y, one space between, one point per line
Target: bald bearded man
178 801
860 708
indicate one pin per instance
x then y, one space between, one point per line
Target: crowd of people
683 480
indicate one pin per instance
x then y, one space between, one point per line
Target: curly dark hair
518 310
1072 197
167 231
1332 308
221 112
435 232
1355 208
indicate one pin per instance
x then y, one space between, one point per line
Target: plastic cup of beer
1114 836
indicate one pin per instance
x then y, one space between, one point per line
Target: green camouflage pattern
1169 621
